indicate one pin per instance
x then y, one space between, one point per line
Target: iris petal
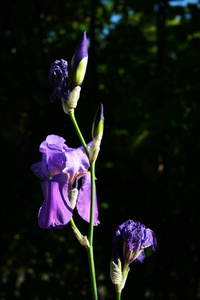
56 210
84 200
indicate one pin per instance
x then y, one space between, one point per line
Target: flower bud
97 133
79 62
116 275
116 272
97 127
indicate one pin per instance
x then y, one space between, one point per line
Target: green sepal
99 128
79 74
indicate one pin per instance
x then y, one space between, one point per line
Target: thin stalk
125 270
90 234
91 225
72 223
92 273
73 119
118 295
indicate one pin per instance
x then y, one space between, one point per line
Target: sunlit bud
97 133
116 275
79 62
116 272
97 127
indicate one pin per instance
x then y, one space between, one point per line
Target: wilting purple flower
131 239
60 167
58 77
79 62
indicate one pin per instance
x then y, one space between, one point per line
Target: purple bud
79 62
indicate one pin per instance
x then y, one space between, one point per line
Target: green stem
118 295
90 234
72 223
92 273
73 119
125 270
91 225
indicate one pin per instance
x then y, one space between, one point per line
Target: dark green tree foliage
144 67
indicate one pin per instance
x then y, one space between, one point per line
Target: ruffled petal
53 152
76 161
150 240
58 78
84 200
56 211
55 142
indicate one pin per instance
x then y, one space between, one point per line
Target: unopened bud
97 133
79 62
116 275
98 124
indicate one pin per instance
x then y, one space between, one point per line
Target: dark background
144 66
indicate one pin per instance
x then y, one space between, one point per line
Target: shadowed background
144 67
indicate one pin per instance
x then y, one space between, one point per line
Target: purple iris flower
58 77
59 170
131 239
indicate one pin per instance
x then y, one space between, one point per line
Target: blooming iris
59 170
134 238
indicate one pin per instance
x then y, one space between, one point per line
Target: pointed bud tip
98 123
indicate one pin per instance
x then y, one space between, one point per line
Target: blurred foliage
144 67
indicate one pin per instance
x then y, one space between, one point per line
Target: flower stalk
76 127
118 295
90 234
91 225
92 273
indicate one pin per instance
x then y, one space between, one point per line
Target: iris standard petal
84 200
53 152
56 211
76 161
